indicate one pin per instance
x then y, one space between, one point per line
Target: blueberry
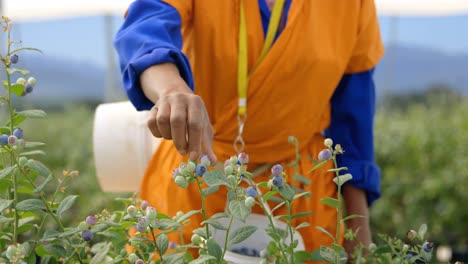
243 158
143 205
428 247
328 142
175 172
91 220
205 160
131 210
251 192
132 258
28 88
139 261
249 202
172 245
151 213
32 81
140 227
21 81
191 166
277 170
14 59
12 139
11 251
200 170
87 235
181 181
3 140
278 181
143 221
228 169
18 132
196 239
325 154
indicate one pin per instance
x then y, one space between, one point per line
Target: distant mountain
409 69
403 69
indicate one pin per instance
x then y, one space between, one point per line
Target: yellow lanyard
242 67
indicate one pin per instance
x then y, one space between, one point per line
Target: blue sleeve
150 35
352 120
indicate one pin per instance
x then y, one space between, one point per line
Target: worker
213 71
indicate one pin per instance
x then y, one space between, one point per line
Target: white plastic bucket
258 240
123 146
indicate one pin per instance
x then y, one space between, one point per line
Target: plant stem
203 207
339 210
227 236
156 244
288 206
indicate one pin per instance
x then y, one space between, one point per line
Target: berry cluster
17 135
28 84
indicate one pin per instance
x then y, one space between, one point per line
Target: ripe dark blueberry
14 59
87 235
3 140
200 170
278 181
277 170
91 220
251 192
325 154
428 247
28 88
18 132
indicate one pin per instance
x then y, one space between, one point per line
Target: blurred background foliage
421 148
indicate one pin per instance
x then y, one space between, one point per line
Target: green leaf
268 195
298 215
302 179
241 234
39 167
263 185
66 204
41 251
13 70
301 256
214 249
302 225
343 179
287 192
101 255
17 120
187 215
26 220
163 243
30 205
327 254
215 178
6 171
337 169
315 256
215 224
210 190
202 259
56 250
166 224
4 220
32 152
201 232
16 88
318 166
24 48
331 202
44 183
28 145
323 230
299 195
4 204
174 258
33 113
422 230
239 210
337 248
219 216
351 217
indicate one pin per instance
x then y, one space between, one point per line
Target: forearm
160 80
356 203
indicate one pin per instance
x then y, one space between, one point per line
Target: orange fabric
288 93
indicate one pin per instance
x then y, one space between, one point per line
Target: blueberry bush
37 205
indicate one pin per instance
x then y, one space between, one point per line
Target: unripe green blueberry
155 223
191 166
132 258
131 210
151 213
249 202
21 81
328 142
11 251
22 160
233 160
228 170
196 239
181 181
32 81
205 161
123 252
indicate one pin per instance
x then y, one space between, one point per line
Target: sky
84 38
